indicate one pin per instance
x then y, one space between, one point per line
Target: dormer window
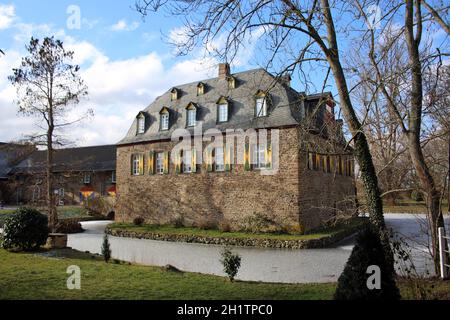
174 94
231 82
200 89
191 113
222 110
164 118
141 123
261 104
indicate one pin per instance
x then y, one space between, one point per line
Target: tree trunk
362 151
51 205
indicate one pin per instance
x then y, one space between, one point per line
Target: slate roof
286 109
96 158
10 155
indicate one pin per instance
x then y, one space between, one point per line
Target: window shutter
227 155
247 166
269 156
194 160
151 162
166 162
141 164
178 162
209 159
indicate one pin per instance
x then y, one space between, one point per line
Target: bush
100 206
138 221
231 263
260 223
206 223
106 248
177 222
69 226
26 230
417 195
352 284
225 226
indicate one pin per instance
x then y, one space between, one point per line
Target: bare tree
48 86
398 59
296 33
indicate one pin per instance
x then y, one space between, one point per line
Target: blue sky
125 61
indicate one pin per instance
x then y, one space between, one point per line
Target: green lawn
167 229
29 276
26 276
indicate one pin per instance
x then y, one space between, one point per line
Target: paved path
268 265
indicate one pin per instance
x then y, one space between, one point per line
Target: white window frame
261 107
141 125
219 159
135 165
259 156
113 177
165 121
187 161
87 178
222 112
160 163
191 117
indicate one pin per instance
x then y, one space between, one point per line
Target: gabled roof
95 158
286 106
10 155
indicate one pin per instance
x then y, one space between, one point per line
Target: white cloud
7 16
122 25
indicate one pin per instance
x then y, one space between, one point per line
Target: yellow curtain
141 164
166 162
194 160
151 162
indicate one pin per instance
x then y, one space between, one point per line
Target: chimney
224 70
286 79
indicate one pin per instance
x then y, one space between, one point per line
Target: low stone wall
323 242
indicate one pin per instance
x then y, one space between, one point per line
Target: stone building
295 175
80 174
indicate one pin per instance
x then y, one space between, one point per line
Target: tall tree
297 32
48 87
398 60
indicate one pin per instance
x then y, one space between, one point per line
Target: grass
31 276
167 229
43 276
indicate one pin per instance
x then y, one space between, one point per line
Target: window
200 89
87 178
223 112
259 156
191 117
231 82
113 177
174 94
165 121
136 165
219 160
187 161
141 124
160 163
261 107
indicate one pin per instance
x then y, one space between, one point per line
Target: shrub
138 221
100 206
106 248
224 226
27 230
417 195
352 284
231 263
260 223
206 223
69 226
177 222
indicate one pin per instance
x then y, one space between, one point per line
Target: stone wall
293 198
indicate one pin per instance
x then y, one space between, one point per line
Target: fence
443 253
